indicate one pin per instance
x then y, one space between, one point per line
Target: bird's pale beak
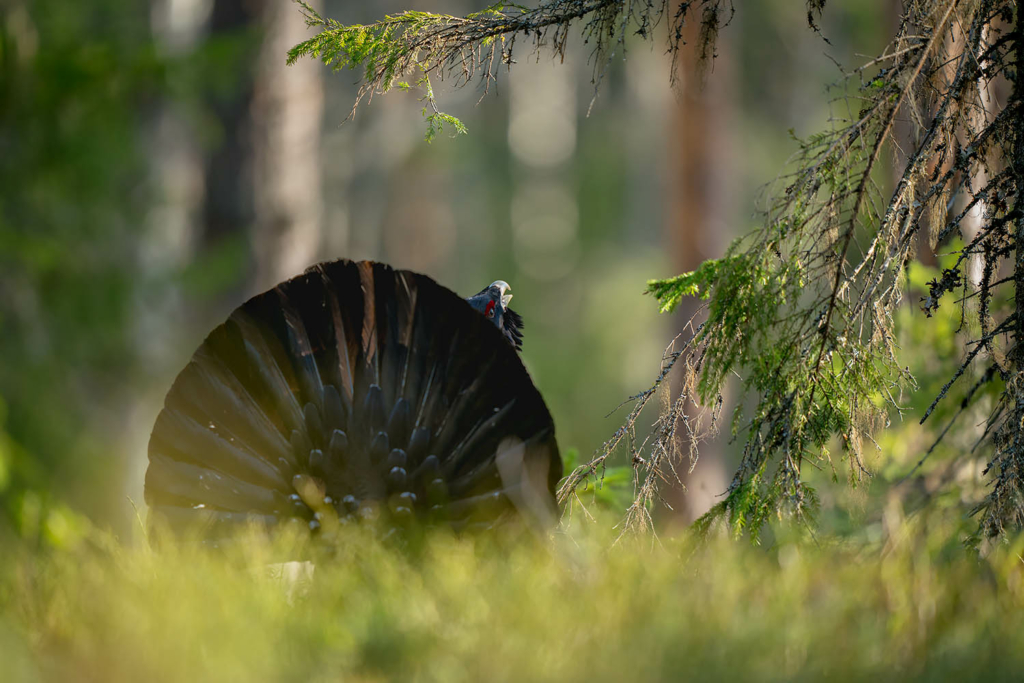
503 289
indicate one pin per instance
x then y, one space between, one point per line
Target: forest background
160 163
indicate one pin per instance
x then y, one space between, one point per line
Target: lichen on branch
478 46
802 310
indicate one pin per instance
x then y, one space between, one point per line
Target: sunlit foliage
909 605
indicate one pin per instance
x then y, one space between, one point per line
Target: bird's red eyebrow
489 309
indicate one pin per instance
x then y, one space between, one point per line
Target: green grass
576 607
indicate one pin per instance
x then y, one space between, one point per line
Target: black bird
492 301
362 391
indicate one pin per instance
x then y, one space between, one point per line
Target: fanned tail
374 392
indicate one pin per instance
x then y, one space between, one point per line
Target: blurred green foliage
903 607
79 85
908 464
74 81
883 588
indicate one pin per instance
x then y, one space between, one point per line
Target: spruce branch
802 309
476 47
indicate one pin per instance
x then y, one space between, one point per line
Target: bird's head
492 302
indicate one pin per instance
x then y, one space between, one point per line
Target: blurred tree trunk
286 113
260 184
903 133
176 165
700 216
990 93
228 209
172 231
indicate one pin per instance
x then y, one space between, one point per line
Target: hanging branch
1004 507
801 309
424 45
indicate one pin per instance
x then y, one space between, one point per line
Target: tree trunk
176 170
173 227
1005 504
287 112
700 216
1015 457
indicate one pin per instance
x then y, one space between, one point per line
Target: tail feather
369 333
344 348
222 400
482 436
301 353
218 453
181 481
432 400
217 523
270 376
371 390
